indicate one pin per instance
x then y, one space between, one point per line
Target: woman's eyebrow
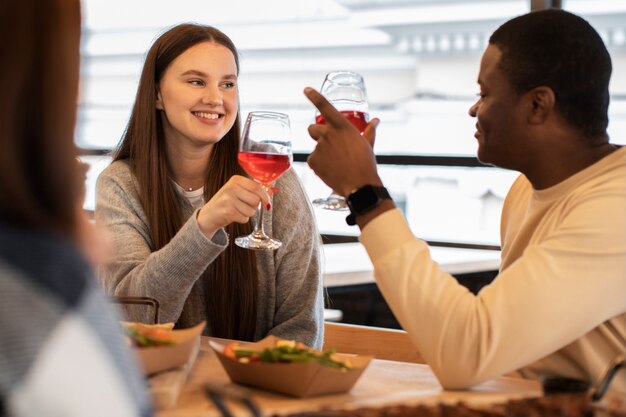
202 74
194 72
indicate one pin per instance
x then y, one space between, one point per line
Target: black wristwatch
365 199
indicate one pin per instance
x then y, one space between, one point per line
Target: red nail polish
268 206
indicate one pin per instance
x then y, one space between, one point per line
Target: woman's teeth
212 116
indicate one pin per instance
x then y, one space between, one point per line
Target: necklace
188 189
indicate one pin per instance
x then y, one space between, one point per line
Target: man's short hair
562 51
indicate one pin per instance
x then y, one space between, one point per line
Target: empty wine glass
265 154
346 91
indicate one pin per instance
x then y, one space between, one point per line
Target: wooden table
382 383
347 264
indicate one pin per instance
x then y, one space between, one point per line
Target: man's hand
343 158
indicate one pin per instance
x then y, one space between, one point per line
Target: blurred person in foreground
61 348
558 306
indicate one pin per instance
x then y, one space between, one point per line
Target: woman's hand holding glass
236 201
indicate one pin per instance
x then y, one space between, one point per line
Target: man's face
500 118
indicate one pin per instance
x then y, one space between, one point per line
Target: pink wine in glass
358 118
263 167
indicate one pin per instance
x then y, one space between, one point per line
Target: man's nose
473 109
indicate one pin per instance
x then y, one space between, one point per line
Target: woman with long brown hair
175 198
61 346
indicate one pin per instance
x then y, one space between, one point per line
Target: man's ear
159 102
542 103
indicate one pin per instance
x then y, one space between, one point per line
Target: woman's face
199 96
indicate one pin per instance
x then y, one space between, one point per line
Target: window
419 59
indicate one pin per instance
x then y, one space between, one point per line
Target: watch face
368 198
362 200
365 199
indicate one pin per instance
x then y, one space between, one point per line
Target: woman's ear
159 102
542 104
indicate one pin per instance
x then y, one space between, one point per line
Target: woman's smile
205 117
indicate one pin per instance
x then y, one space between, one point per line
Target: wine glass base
258 243
336 203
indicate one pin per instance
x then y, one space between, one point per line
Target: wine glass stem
258 226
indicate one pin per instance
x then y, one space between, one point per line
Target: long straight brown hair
40 185
231 280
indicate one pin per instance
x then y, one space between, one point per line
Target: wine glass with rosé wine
265 154
346 91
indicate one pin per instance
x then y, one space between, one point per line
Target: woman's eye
196 82
228 84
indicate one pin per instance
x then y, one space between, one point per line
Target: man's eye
481 95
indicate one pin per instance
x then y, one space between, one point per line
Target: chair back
382 343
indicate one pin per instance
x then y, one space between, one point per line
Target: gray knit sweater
290 286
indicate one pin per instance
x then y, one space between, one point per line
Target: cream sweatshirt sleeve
548 298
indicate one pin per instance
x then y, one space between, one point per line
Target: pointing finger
330 113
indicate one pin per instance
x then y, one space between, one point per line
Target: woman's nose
212 96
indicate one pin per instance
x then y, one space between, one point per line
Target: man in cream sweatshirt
558 306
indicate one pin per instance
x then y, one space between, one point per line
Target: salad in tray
285 351
288 367
141 335
160 347
148 339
